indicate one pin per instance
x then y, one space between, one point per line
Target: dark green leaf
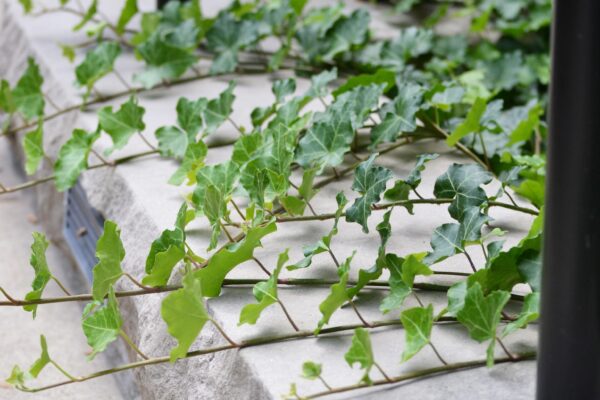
461 183
470 124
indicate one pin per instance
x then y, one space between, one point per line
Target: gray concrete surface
136 196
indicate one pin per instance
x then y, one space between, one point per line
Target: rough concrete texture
137 197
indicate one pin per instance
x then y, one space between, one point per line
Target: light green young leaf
73 158
87 17
481 315
127 12
110 253
417 323
381 76
461 182
18 378
7 103
369 181
40 267
164 262
398 116
524 130
470 124
27 5
338 295
33 146
226 259
168 239
265 293
123 124
413 266
42 361
311 370
193 160
185 315
27 95
529 313
361 352
102 323
172 141
97 63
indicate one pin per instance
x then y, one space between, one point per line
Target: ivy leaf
283 88
40 267
319 82
470 124
164 61
185 315
218 110
529 313
456 297
42 361
445 243
123 124
87 17
399 290
325 144
369 181
524 130
398 116
27 95
6 101
27 5
127 12
226 37
448 95
413 266
226 259
192 161
311 370
172 141
189 114
33 147
97 63
481 315
265 293
462 184
102 325
73 158
381 76
361 352
402 187
417 323
164 262
347 32
110 253
337 297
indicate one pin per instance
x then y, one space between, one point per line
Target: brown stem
288 316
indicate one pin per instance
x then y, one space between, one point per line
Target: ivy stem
386 376
417 193
122 80
237 209
485 155
504 348
12 301
358 314
63 371
222 332
102 159
141 135
483 251
2 188
136 282
132 345
422 373
288 316
232 122
324 382
60 285
470 260
51 102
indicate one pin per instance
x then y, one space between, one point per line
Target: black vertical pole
569 353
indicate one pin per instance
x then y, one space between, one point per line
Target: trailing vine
482 93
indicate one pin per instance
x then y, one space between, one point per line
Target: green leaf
87 17
337 297
445 243
399 290
311 370
226 37
164 262
529 313
6 101
164 61
27 5
413 266
361 352
325 144
189 115
123 124
462 184
33 147
369 181
218 110
127 12
40 267
456 297
169 238
414 177
102 325
346 33
17 377
73 158
283 88
417 323
226 259
27 95
470 124
110 253
172 141
319 82
381 76
97 63
398 116
193 160
402 187
42 361
525 129
481 315
185 315
448 95
265 293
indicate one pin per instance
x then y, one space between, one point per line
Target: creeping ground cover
349 98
